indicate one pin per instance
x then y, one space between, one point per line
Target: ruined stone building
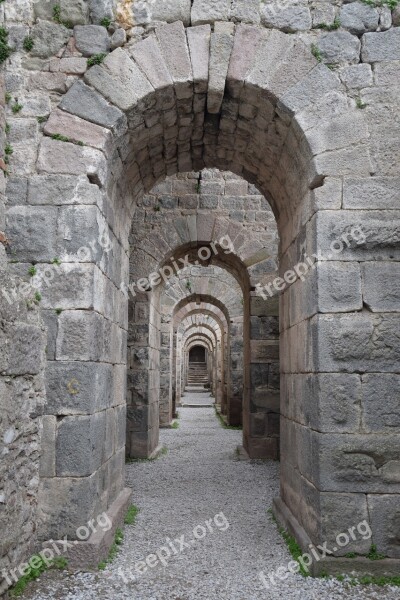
216 179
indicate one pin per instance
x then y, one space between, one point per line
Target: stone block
91 39
80 445
338 47
147 55
371 193
73 65
338 132
366 463
62 189
99 9
71 159
199 46
385 523
220 51
80 336
287 18
381 46
69 286
380 402
79 130
16 190
50 321
48 445
301 95
23 353
120 80
32 233
173 43
82 101
80 501
247 43
245 11
118 38
357 77
48 38
339 287
78 388
338 514
355 235
382 286
357 342
359 18
171 11
209 11
325 402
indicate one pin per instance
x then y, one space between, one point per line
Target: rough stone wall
22 398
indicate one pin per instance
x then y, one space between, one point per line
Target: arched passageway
165 106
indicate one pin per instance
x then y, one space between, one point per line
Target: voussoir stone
119 80
359 18
82 101
91 39
48 38
340 47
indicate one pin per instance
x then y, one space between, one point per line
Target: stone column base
90 553
330 565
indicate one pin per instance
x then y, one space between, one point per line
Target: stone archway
282 121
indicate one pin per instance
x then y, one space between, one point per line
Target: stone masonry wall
22 397
361 46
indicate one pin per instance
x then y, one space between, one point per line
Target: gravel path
200 488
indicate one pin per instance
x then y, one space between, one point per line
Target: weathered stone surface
75 388
48 38
246 45
371 193
101 8
209 11
220 51
357 342
91 39
79 130
199 47
61 189
147 55
381 46
118 38
385 522
79 445
357 76
31 231
382 286
120 80
67 159
171 11
286 18
339 287
380 394
245 11
86 103
339 47
173 43
359 18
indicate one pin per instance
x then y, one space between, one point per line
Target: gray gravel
199 478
